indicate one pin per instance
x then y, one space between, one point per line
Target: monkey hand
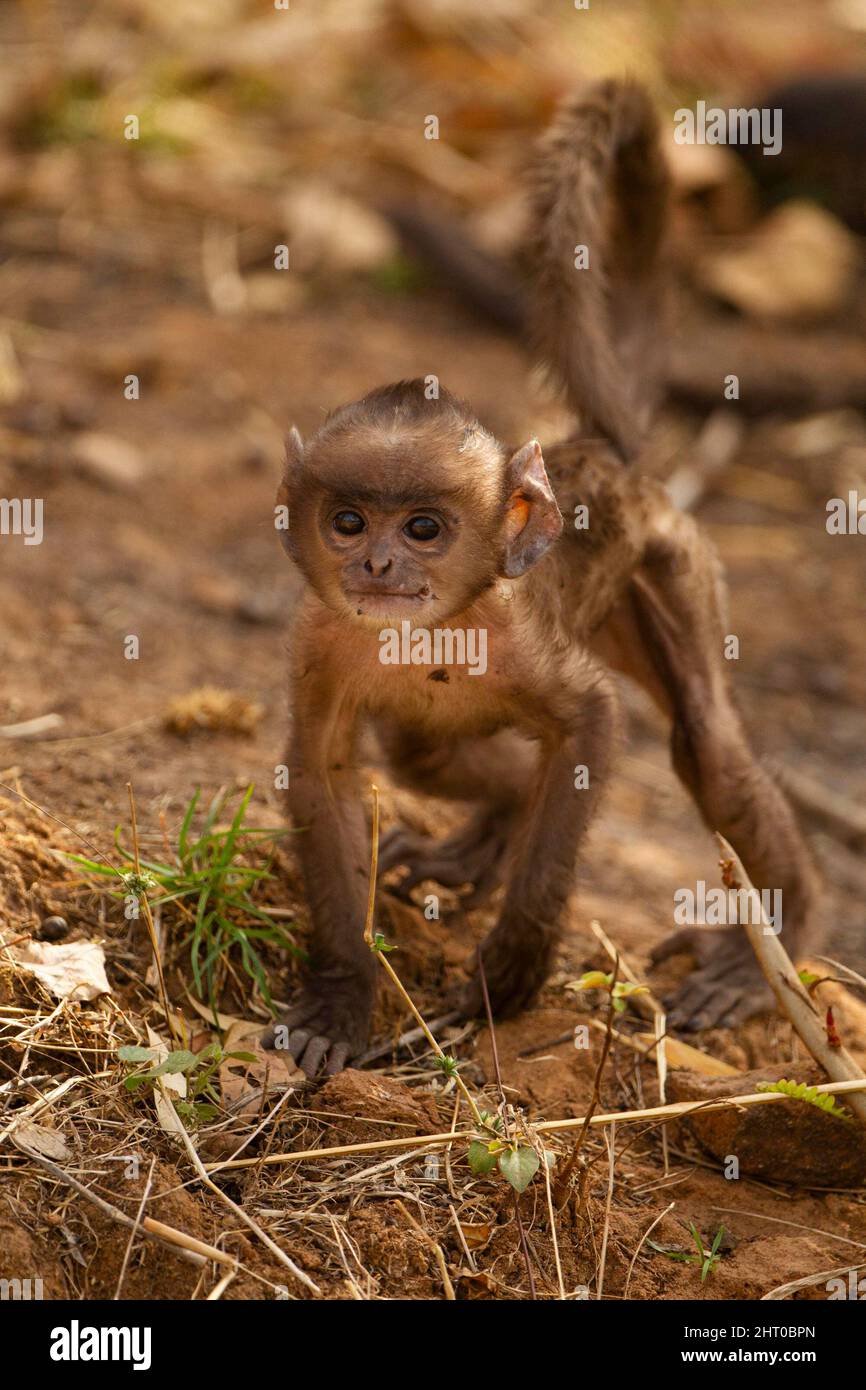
329 1022
474 856
516 963
726 988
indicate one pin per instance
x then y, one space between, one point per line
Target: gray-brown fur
639 592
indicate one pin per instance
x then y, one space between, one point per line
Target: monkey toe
472 858
726 992
326 1027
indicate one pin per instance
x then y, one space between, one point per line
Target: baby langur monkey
406 509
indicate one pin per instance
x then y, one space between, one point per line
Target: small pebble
52 929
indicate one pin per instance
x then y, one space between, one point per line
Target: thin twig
663 1113
485 994
610 1140
647 1233
595 1099
148 917
792 998
248 1221
370 940
136 1223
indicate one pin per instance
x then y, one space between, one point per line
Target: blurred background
153 259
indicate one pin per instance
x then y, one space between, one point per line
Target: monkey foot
328 1024
516 964
726 988
473 856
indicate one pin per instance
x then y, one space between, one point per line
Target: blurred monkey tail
600 194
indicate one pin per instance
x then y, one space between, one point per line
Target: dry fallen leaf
72 970
30 1135
271 1071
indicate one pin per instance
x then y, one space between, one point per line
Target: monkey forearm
517 953
328 814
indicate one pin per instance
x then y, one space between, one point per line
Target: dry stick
671 1111
497 1073
196 1251
368 937
219 1289
792 998
797 1225
412 1035
778 1294
610 1140
595 1098
154 944
645 1237
551 1215
434 1245
136 1223
281 1255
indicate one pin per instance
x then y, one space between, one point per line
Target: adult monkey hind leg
673 621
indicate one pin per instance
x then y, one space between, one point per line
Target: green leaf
519 1166
175 1062
136 1054
481 1160
379 943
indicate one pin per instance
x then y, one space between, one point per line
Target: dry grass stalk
791 996
656 1112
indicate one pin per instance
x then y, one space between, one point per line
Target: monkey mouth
402 595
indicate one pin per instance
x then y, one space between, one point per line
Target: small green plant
620 992
798 1090
211 886
707 1259
517 1162
201 1102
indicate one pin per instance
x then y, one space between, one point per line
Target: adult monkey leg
518 952
331 1017
493 773
671 637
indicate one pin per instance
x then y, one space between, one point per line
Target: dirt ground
172 541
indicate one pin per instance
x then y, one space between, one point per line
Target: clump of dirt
789 1141
375 1107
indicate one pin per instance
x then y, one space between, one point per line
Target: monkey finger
689 1003
715 1008
298 1040
302 1012
400 845
337 1058
313 1055
750 1003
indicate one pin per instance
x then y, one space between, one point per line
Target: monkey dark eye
348 523
422 528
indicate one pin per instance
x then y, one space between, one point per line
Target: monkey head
402 507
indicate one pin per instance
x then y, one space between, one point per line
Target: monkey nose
377 567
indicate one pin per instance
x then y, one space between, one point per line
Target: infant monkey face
390 561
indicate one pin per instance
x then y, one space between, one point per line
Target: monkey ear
533 520
294 454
